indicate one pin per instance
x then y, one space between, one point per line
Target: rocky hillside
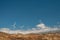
32 36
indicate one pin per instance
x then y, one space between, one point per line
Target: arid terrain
32 36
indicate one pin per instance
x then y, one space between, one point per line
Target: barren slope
47 36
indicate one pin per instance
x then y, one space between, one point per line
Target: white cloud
4 30
39 28
42 26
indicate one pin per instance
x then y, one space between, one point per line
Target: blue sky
28 13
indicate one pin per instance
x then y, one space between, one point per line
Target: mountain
52 35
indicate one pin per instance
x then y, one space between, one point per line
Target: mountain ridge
31 36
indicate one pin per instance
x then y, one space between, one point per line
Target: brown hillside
48 36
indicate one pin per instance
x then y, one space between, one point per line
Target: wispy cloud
14 25
22 26
39 28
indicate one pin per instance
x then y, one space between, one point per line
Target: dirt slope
47 36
